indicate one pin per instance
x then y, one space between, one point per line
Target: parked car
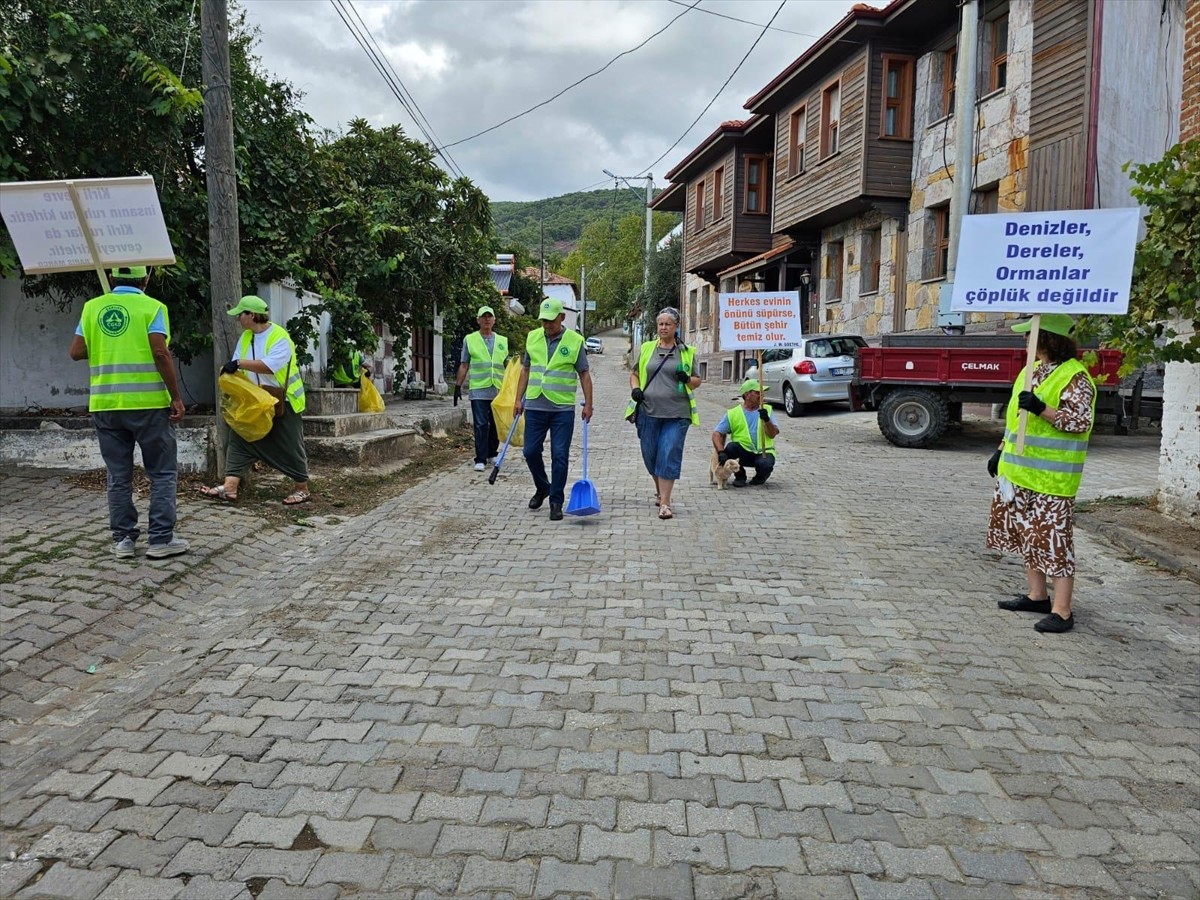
818 371
593 345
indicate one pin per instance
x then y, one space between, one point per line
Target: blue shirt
751 423
158 326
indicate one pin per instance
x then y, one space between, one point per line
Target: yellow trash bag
369 398
502 405
249 410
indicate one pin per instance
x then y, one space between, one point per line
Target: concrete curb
1165 557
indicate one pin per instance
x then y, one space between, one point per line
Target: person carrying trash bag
266 356
553 359
482 367
747 434
348 373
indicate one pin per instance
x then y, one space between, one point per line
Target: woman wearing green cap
1034 503
266 356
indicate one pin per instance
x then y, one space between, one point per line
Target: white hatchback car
819 371
593 345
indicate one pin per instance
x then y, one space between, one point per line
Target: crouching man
747 434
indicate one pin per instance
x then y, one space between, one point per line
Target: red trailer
919 383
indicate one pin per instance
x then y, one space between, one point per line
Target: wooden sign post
1030 362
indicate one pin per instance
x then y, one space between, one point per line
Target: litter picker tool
583 500
504 450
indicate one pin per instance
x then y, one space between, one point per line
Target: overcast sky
471 63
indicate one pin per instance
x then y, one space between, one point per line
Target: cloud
471 64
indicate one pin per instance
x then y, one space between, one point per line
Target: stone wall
858 311
1189 118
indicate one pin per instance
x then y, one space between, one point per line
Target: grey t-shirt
665 397
541 403
489 392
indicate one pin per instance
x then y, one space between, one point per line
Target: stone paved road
804 690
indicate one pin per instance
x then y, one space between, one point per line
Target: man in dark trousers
482 366
747 434
134 400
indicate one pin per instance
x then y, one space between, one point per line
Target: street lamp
649 196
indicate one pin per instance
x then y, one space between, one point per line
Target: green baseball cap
484 311
750 384
551 309
130 273
251 304
1056 323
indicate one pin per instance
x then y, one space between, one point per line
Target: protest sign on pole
1078 262
760 320
124 220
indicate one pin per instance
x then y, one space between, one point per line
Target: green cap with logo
130 273
750 384
1056 323
250 304
551 309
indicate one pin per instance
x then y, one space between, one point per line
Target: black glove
637 395
1030 401
682 376
994 462
230 367
763 414
457 393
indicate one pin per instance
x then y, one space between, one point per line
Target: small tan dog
721 472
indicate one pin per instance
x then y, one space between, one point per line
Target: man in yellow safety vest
747 434
482 362
553 359
134 400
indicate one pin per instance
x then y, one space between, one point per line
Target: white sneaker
123 548
478 467
491 461
174 548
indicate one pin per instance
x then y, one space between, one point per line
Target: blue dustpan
583 500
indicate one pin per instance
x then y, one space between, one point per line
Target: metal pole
646 268
583 300
964 128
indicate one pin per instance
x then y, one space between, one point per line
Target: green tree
617 288
1166 266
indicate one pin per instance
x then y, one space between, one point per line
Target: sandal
295 498
664 512
217 493
657 500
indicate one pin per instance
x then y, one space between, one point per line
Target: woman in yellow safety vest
662 405
1035 493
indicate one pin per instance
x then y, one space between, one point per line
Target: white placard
124 216
1065 261
763 320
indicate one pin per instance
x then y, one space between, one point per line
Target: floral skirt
1037 528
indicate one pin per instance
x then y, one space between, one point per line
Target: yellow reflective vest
122 373
1053 460
686 356
289 379
553 379
486 371
739 431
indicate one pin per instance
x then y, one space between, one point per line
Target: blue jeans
487 442
151 430
561 425
662 445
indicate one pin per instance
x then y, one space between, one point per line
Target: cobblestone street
794 691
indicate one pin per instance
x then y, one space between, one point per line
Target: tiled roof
730 127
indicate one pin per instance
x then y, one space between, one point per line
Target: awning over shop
757 262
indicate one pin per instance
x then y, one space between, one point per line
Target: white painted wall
35 370
566 294
1141 81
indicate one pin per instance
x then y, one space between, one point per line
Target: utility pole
649 233
583 300
543 251
224 256
964 149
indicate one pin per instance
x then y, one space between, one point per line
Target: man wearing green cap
747 433
134 400
483 356
266 356
553 359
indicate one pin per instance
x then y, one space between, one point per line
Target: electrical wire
708 106
713 12
574 84
428 130
379 64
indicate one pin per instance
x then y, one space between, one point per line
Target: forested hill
519 224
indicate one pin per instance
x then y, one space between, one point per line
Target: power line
378 62
575 84
713 12
719 90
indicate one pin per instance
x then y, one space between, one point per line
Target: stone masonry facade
1189 117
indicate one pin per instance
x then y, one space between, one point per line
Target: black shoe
759 479
1055 624
1024 604
739 479
539 497
555 511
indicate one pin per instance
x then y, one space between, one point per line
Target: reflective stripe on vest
739 431
555 379
350 377
121 370
686 355
1053 460
486 371
294 388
